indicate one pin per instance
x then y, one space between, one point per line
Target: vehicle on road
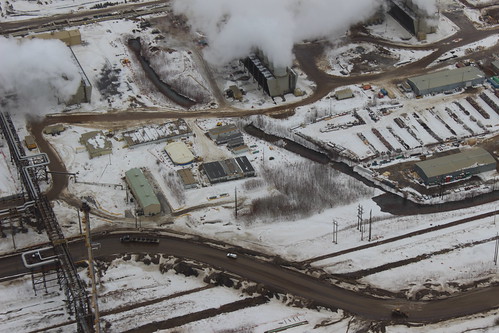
231 255
139 239
397 313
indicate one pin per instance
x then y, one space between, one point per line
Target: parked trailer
139 239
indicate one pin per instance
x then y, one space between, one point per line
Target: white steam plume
235 27
40 73
429 6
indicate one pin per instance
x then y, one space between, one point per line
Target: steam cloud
40 73
236 27
429 6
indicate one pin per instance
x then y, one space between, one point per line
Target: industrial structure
226 134
69 37
143 192
32 169
456 166
179 153
275 81
446 80
157 133
413 18
96 143
230 169
187 178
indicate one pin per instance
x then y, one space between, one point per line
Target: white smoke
236 27
429 6
39 73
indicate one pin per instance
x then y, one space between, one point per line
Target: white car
231 255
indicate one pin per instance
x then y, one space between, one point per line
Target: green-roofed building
446 80
456 166
142 191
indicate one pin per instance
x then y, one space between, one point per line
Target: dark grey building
456 166
413 18
446 80
275 81
230 169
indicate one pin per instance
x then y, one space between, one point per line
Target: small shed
30 142
236 93
54 129
344 94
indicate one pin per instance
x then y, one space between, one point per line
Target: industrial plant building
96 143
456 166
179 153
187 178
275 81
230 169
226 134
413 18
446 80
143 192
71 37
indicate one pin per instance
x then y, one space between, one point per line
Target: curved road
284 280
274 277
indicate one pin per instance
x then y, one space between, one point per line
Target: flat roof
447 77
187 176
179 153
244 164
456 162
214 170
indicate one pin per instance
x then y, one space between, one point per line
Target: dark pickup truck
139 239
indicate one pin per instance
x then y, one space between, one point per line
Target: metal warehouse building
446 80
226 134
230 169
275 81
142 191
447 168
179 153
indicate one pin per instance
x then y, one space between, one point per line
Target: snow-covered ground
442 261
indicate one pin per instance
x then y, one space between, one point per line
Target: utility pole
79 221
88 242
359 217
370 223
335 232
496 249
235 201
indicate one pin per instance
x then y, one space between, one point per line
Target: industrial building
446 80
187 178
70 37
226 134
343 94
413 18
179 153
230 169
96 143
275 81
456 166
142 192
157 133
54 129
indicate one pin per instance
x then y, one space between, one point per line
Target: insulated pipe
45 261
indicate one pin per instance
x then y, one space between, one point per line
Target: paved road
272 276
287 281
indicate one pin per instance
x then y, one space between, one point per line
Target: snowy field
133 294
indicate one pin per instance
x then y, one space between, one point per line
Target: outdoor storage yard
213 207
